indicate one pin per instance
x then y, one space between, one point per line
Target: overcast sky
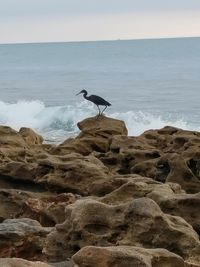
82 20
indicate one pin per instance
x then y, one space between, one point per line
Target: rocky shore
102 199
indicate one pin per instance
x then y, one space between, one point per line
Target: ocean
150 84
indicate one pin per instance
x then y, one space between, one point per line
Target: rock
10 137
136 223
11 202
72 172
126 256
111 186
101 189
22 238
166 155
67 263
182 204
105 186
95 135
102 127
47 208
19 153
18 170
191 264
181 173
17 159
54 172
125 152
16 262
137 187
30 136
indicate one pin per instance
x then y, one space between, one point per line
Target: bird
97 100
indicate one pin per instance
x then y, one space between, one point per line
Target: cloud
11 9
104 27
67 20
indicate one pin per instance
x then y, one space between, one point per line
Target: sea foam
56 123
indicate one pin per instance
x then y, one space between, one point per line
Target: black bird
97 100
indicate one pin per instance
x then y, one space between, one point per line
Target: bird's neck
85 95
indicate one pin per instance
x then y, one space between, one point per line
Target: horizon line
98 40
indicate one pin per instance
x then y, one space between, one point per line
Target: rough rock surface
136 223
126 256
136 186
101 188
95 135
47 208
183 205
22 238
30 136
72 172
169 154
169 196
16 262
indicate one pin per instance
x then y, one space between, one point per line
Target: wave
138 122
57 123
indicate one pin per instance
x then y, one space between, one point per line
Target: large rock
10 137
22 238
102 127
192 264
135 186
72 172
30 136
45 207
182 204
167 155
136 223
117 180
19 153
169 196
95 135
126 256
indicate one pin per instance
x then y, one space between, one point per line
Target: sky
24 21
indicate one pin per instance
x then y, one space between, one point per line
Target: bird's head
82 92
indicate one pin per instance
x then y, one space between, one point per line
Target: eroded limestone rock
118 181
45 207
136 223
72 172
23 238
135 186
126 256
166 155
17 262
95 136
30 136
182 204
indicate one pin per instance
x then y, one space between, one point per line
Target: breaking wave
56 123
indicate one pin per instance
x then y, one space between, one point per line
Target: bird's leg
99 111
103 110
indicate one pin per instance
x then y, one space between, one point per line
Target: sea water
150 84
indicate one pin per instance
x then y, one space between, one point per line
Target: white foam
59 122
138 122
22 113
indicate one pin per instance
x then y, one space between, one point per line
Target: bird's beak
78 93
